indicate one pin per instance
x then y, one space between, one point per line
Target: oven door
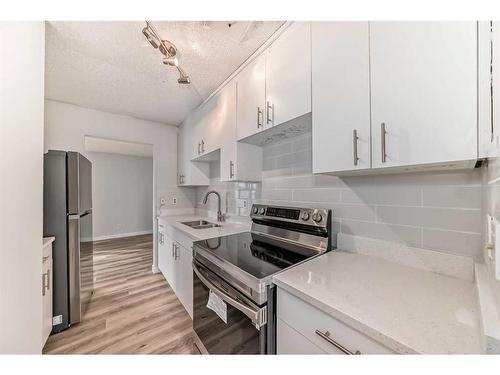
246 328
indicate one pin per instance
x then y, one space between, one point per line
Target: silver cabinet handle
173 250
231 170
326 337
199 148
269 119
176 251
202 146
355 146
259 118
45 282
383 132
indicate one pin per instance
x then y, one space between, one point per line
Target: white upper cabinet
288 75
228 136
189 173
423 92
340 96
238 161
251 98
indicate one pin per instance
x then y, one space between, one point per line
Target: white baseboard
155 269
120 235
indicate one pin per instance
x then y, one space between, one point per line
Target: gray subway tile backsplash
438 211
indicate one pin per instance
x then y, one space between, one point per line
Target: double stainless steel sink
200 224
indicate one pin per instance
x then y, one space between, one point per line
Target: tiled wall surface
492 206
435 211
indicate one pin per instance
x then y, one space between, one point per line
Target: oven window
238 336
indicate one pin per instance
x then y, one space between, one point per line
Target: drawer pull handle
326 336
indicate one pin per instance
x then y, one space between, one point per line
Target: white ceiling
110 66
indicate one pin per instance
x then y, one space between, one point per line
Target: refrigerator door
86 261
73 182
74 268
84 184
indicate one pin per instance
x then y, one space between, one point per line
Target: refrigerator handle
74 268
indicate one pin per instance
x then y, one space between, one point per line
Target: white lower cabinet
183 259
174 261
304 329
46 293
165 255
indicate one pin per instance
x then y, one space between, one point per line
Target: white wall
66 125
21 185
122 195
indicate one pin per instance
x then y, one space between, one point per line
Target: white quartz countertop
406 309
48 240
227 228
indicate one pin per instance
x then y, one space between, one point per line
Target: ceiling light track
167 49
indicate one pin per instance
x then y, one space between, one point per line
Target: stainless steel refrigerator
67 215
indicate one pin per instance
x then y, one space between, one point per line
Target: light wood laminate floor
132 311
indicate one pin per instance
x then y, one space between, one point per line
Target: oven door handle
258 317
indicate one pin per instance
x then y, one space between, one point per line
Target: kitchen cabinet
288 75
47 293
165 255
238 161
174 261
251 98
319 333
423 92
340 96
183 280
189 173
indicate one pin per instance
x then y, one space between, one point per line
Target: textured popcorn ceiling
110 66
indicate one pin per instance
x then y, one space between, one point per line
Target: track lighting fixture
167 49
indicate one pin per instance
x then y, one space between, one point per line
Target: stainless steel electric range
233 297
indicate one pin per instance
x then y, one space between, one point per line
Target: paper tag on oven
218 305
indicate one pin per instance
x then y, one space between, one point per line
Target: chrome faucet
220 215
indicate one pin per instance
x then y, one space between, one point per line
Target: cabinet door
288 74
46 297
190 173
227 122
166 257
251 98
184 277
340 96
423 91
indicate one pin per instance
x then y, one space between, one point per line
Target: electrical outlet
242 203
56 320
174 200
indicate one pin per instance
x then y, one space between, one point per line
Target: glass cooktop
255 254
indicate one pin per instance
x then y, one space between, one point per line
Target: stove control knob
305 216
262 211
317 217
255 210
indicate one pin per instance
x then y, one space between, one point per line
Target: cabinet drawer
306 320
289 341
